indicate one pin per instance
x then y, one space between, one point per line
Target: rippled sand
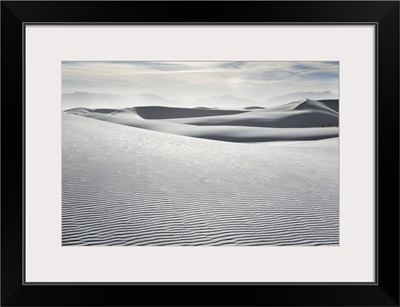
124 185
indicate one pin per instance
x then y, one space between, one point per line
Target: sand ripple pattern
130 186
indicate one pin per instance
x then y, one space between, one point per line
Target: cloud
162 66
322 75
254 80
232 65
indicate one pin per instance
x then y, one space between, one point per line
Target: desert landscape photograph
222 153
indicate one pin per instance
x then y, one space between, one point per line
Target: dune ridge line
300 120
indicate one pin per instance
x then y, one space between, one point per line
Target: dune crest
299 120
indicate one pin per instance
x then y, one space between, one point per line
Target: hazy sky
188 81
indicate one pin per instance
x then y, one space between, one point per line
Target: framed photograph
241 153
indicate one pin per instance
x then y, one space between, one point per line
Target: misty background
240 84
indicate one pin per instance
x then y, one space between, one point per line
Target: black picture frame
383 14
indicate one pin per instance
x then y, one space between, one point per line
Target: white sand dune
301 120
254 108
128 186
330 106
159 112
331 103
223 133
267 118
156 112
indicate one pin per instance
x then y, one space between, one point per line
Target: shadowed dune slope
303 113
254 108
166 112
222 133
157 112
265 118
329 106
331 103
300 120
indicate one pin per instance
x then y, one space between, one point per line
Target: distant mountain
299 96
227 101
104 100
154 100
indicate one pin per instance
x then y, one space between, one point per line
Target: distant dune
331 103
299 114
168 112
225 101
308 104
300 95
300 120
254 108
